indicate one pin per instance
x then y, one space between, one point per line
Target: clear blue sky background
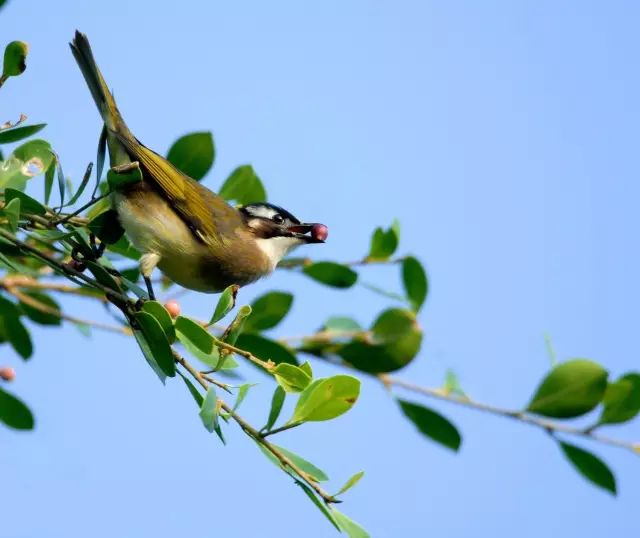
502 134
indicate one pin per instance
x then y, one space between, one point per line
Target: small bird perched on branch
190 233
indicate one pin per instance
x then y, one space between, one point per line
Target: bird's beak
309 232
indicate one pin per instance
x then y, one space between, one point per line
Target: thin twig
64 268
526 418
255 434
46 309
267 365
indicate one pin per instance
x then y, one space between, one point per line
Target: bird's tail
99 90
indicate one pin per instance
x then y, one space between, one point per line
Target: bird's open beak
309 232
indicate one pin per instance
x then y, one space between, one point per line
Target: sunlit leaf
226 302
384 242
349 526
571 389
327 398
291 378
350 483
193 154
277 401
15 56
621 400
243 186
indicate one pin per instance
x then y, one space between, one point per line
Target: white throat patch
276 248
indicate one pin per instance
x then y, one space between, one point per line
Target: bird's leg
148 263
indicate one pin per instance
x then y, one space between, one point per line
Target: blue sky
501 134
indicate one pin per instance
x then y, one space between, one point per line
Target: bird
181 227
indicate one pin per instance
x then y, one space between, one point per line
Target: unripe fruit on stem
319 232
7 373
173 308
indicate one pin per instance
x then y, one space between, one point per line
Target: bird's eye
277 218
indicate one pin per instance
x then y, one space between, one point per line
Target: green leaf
384 242
226 302
326 399
119 180
242 393
49 176
306 367
277 401
17 334
102 275
148 354
28 205
61 180
432 424
100 157
318 474
331 274
36 156
15 56
18 133
14 413
591 467
196 334
83 185
235 327
341 324
208 409
12 211
319 504
210 413
200 343
163 317
350 483
416 285
158 342
571 389
192 389
349 526
395 342
243 186
193 154
38 316
266 349
106 227
291 378
621 400
267 311
305 466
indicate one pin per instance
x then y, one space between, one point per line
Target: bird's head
277 231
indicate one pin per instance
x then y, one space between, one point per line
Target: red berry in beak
319 232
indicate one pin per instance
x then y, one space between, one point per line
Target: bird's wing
208 216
